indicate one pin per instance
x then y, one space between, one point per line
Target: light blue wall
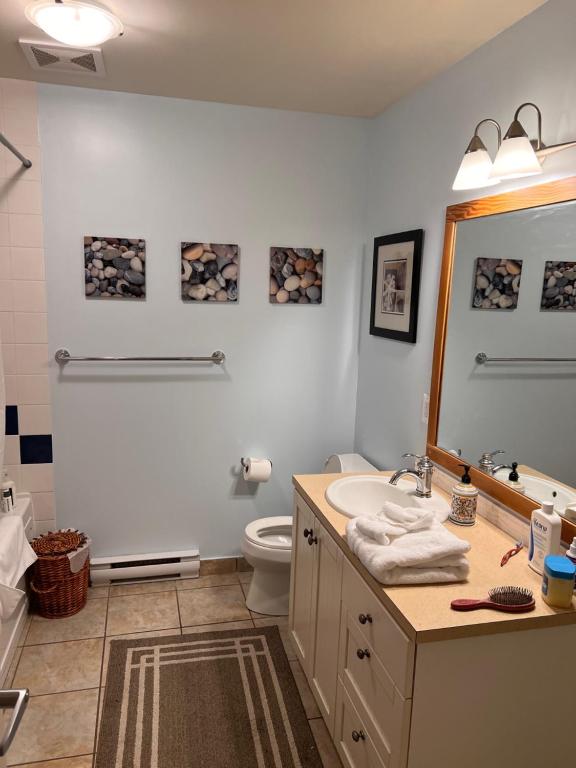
146 457
414 151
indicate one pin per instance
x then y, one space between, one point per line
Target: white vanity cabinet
359 664
472 692
315 605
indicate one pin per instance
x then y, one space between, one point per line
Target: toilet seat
271 532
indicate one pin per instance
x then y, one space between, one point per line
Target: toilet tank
348 462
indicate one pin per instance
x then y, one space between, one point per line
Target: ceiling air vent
51 57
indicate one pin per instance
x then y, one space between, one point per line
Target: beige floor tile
221 626
245 577
59 667
282 623
142 613
132 636
214 580
12 668
326 748
219 565
90 622
59 725
101 591
243 565
144 588
69 762
308 702
211 605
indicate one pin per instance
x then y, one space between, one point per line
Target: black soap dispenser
514 479
464 500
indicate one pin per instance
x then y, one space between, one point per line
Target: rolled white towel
408 518
380 530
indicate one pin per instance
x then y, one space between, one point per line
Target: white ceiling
345 57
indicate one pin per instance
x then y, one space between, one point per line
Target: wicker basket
59 592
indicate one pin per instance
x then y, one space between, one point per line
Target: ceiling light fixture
517 155
74 22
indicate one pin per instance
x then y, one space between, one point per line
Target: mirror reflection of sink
541 489
366 494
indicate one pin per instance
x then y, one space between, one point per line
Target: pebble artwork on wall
114 267
296 275
496 283
559 289
209 272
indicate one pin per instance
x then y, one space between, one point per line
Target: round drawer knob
363 653
365 618
307 532
357 735
312 539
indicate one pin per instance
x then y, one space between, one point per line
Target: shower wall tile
26 263
5 265
32 390
35 419
30 328
26 230
23 319
29 295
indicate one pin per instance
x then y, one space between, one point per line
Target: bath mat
222 699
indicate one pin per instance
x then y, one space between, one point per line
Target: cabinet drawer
381 633
352 736
372 690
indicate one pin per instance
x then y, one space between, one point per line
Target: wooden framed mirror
504 367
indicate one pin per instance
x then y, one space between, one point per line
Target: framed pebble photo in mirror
396 285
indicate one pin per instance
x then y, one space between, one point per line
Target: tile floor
63 662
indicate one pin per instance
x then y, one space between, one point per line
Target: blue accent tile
11 420
36 449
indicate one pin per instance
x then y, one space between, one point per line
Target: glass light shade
516 158
474 171
74 23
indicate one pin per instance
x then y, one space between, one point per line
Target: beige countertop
423 611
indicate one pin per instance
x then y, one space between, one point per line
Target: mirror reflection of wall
513 304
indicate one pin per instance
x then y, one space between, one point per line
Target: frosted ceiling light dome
73 22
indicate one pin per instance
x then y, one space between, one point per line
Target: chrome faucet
486 463
498 467
422 472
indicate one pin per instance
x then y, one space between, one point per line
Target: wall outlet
425 407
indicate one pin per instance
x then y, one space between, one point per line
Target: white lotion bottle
545 531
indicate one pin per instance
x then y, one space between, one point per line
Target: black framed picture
396 285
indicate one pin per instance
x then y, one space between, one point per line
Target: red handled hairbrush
507 599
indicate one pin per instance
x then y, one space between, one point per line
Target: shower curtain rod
24 160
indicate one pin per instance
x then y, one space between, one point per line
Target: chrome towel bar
63 356
482 358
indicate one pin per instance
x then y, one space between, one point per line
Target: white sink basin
540 489
365 495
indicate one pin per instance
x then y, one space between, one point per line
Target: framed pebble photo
559 287
114 268
396 285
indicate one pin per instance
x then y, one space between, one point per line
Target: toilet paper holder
245 463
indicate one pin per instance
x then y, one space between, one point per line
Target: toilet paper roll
256 470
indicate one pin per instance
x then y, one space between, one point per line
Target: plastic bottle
545 530
10 497
464 500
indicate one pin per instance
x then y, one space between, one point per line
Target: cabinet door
301 582
326 620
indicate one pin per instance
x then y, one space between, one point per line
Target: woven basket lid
58 543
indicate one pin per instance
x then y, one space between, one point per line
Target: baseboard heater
181 564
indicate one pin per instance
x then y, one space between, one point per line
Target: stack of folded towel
401 545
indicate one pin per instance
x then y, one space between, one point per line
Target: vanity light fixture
476 166
73 22
517 155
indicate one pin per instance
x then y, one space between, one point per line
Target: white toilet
267 546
